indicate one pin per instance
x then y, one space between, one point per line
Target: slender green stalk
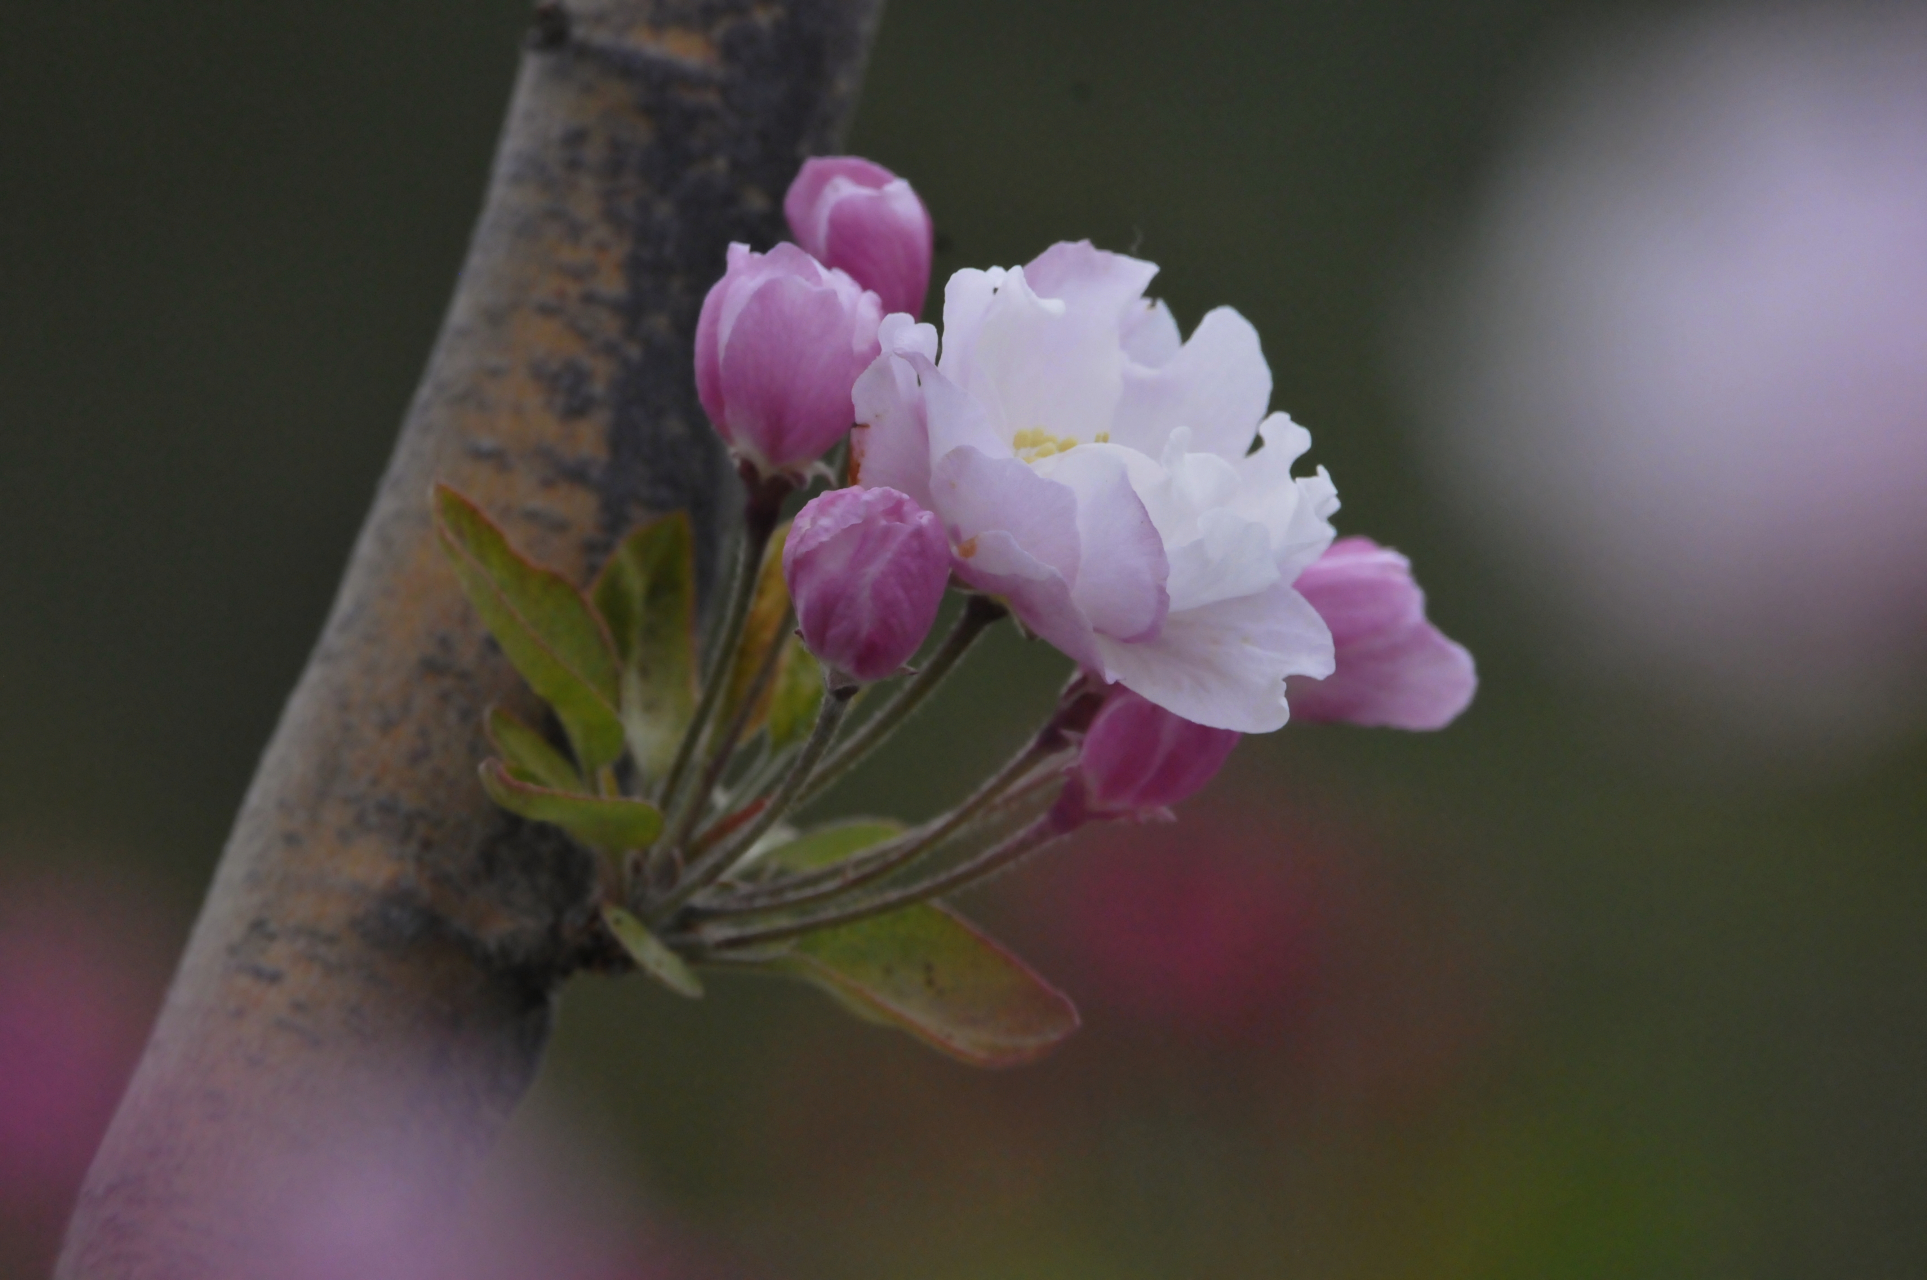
726 747
874 864
978 615
1027 839
712 865
761 509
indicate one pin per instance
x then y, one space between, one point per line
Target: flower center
1034 443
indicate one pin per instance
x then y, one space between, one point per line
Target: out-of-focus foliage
1563 991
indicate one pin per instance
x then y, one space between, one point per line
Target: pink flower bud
1394 668
1138 760
861 218
780 342
866 569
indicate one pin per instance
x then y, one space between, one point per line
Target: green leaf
767 611
932 974
646 594
528 754
832 843
795 695
544 625
650 955
603 822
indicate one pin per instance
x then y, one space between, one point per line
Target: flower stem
1027 839
720 757
978 615
762 505
713 864
874 864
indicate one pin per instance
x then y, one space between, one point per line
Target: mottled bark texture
367 991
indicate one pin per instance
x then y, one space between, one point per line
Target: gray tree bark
367 991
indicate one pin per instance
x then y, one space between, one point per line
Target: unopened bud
780 342
861 218
1138 760
866 570
1394 668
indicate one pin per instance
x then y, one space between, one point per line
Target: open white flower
1098 473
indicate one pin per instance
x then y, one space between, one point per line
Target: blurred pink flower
857 216
79 980
1681 372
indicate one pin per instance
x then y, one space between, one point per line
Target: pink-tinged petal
1138 759
1218 384
1090 279
1393 667
1120 580
996 564
866 569
709 360
953 418
1150 333
975 495
1224 665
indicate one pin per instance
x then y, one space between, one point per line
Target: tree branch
366 993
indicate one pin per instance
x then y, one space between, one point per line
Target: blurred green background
1546 995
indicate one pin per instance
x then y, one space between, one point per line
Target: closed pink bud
781 341
1394 668
866 570
861 218
1138 760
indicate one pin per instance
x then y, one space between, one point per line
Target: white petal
901 335
1218 384
1296 510
890 446
1224 665
966 297
1232 557
1037 362
1150 334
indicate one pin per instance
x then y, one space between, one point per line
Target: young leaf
832 843
646 594
650 955
767 610
930 973
602 822
544 625
795 695
529 755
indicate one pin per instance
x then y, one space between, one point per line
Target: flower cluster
1060 454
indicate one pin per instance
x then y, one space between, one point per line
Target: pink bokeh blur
81 971
1679 379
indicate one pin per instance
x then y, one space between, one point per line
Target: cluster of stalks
703 887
